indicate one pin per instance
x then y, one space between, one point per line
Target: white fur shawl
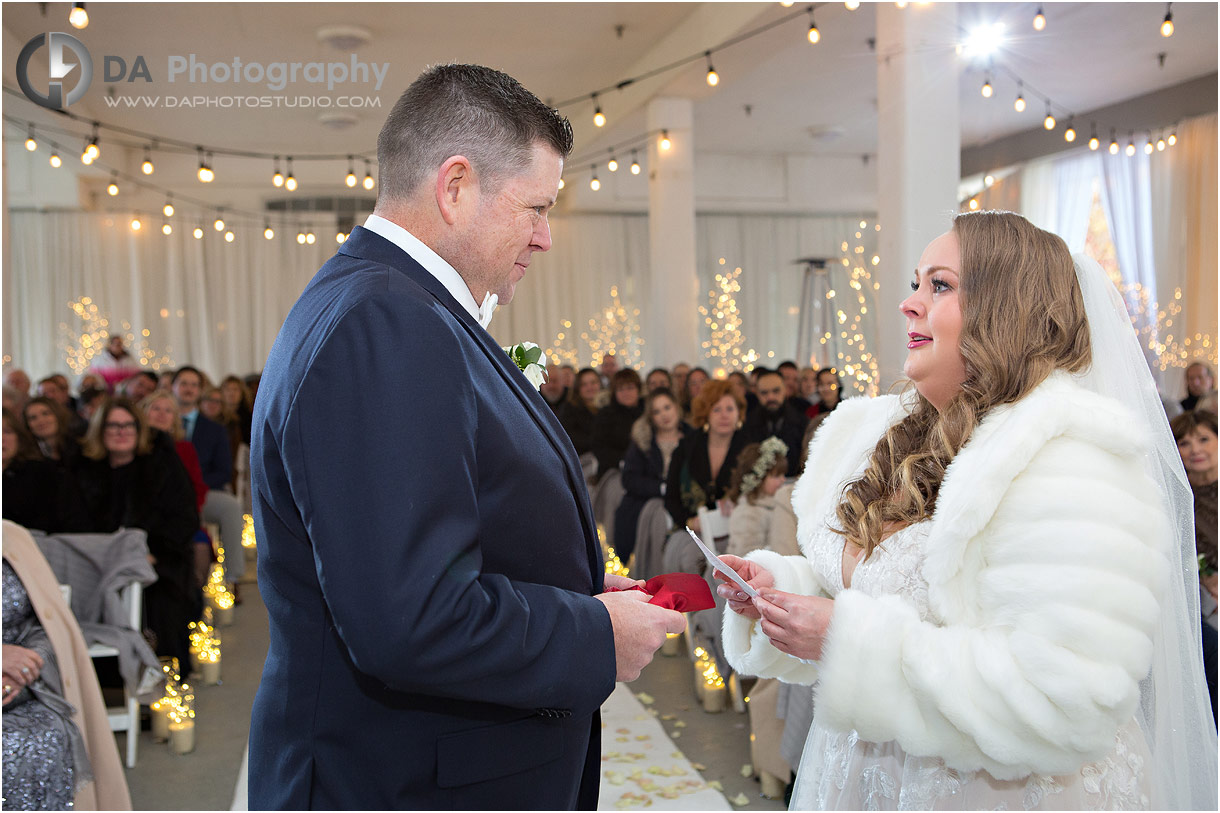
1046 558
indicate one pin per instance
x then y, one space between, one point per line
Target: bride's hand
795 624
754 575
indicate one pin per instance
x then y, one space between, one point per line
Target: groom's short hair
467 110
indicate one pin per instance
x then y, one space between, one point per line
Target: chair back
651 531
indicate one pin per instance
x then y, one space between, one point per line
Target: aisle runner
641 766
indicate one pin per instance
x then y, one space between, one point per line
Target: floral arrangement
528 358
769 453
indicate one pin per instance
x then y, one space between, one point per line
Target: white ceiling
1089 56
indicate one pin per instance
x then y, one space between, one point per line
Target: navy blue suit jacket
211 443
427 555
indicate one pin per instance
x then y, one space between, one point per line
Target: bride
992 600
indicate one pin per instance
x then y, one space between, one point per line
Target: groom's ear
456 188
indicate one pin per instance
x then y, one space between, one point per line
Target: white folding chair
125 717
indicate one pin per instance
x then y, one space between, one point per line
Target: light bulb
301 238
219 225
168 208
612 164
852 5
93 150
599 118
713 78
987 89
1039 20
1113 147
340 237
112 189
595 184
635 167
86 158
814 35
55 160
277 180
1049 121
988 180
147 167
1148 147
229 237
205 173
198 232
290 183
1173 139
665 142
30 143
269 233
1094 143
369 183
167 229
351 180
310 238
136 224
974 204
78 18
1160 145
1130 148
1167 25
1069 134
1019 104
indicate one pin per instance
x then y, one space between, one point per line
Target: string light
852 5
340 237
599 118
112 188
612 164
713 78
1019 104
1094 142
268 232
205 172
665 143
93 149
167 229
635 164
78 18
725 345
301 238
1039 20
814 35
1148 146
136 223
613 329
351 180
1160 144
147 166
290 183
198 232
1167 23
219 223
987 89
168 208
1069 134
1113 143
1130 145
368 182
595 184
229 236
55 160
1049 121
30 143
1173 137
277 180
310 237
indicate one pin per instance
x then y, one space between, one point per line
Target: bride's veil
1175 711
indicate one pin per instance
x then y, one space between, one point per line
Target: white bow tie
487 309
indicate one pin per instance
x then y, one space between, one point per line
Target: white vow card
721 566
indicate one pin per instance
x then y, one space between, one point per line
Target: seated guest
608 368
1200 382
51 427
37 493
776 417
741 387
658 379
694 385
808 384
114 363
130 482
239 402
19 380
552 390
758 475
702 467
792 386
212 445
214 407
678 375
89 400
654 438
137 387
165 380
577 414
14 400
58 749
612 424
828 390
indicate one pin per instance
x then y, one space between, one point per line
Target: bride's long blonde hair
1022 318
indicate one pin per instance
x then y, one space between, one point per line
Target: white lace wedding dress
840 771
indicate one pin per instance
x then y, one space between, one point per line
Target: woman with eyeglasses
130 482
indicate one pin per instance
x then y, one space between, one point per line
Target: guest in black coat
37 494
612 425
578 413
776 417
701 470
130 482
51 425
655 437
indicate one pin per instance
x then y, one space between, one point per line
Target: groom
440 637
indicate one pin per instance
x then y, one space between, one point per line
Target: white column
918 155
671 295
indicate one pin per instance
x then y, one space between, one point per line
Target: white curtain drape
1057 195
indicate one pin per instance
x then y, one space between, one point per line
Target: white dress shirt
435 265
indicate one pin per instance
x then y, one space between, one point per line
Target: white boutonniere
528 358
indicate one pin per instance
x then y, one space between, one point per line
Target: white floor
641 766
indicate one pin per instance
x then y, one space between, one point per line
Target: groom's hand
639 630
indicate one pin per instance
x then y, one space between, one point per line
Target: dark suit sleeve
386 471
673 488
215 458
